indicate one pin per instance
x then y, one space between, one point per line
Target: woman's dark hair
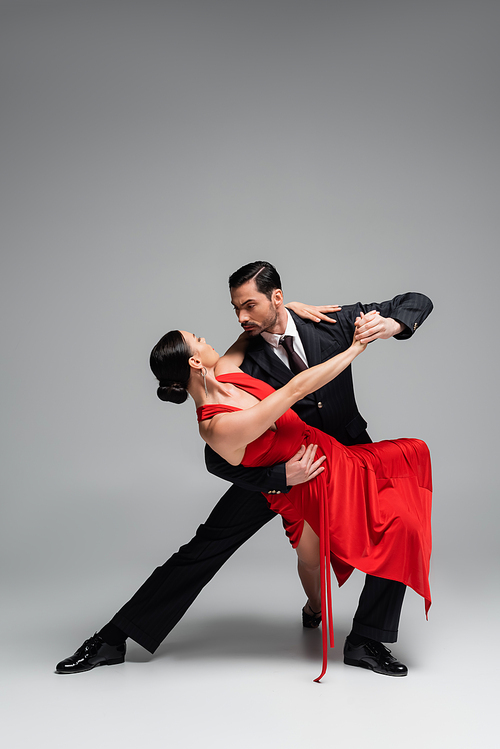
169 362
264 274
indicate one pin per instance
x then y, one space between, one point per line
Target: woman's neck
217 392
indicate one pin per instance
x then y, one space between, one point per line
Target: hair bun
173 393
169 362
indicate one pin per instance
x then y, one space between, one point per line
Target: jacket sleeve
266 479
410 309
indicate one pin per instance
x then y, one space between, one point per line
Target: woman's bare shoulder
219 432
225 366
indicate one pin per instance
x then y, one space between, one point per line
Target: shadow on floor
244 637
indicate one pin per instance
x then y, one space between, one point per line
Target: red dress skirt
370 507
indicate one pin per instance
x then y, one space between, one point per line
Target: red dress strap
206 412
246 382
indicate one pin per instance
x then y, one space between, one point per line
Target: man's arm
399 317
268 479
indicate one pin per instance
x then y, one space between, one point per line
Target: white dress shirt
274 340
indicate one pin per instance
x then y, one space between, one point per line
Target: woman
369 505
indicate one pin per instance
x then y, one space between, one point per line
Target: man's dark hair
264 274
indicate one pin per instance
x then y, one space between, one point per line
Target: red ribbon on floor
326 581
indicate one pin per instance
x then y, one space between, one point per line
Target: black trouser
165 596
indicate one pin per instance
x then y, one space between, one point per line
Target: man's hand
302 467
371 326
311 312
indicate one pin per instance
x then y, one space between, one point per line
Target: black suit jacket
333 408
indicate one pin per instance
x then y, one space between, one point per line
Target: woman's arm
229 433
233 358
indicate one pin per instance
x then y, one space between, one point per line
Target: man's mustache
248 328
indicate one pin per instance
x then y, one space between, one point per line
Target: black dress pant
166 595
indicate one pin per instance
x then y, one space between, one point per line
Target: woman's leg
308 567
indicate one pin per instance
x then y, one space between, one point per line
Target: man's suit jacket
333 408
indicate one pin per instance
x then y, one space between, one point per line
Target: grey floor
238 670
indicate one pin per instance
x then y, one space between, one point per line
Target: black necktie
296 363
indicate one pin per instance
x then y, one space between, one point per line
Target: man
163 599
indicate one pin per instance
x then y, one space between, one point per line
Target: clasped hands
368 327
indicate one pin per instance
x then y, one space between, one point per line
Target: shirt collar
274 338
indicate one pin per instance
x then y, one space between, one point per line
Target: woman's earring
204 375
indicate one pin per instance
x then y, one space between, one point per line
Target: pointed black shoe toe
94 652
375 657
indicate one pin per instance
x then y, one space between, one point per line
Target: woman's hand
311 312
372 325
359 344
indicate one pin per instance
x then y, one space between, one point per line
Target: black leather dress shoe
94 652
374 656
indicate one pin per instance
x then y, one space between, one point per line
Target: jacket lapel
263 354
309 339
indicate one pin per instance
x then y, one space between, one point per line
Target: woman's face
201 349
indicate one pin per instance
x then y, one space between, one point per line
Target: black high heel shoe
311 621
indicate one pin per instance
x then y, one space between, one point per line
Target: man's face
254 310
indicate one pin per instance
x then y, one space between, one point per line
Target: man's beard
255 329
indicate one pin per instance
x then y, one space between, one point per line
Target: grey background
148 149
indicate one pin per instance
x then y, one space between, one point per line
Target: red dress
370 507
